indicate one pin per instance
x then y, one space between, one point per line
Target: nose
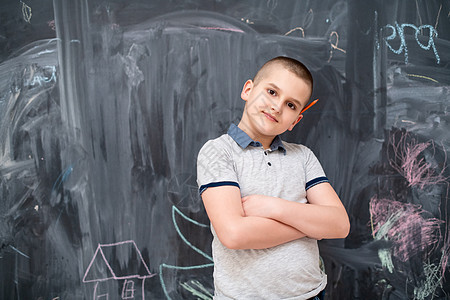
274 106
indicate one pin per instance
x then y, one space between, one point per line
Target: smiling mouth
270 117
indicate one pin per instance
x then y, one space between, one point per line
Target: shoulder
298 149
222 141
220 146
302 153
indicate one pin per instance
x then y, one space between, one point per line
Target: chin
269 131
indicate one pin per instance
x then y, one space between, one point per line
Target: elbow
344 228
340 230
232 239
345 232
232 244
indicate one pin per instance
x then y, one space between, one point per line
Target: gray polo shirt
286 170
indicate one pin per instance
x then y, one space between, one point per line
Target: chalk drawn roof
105 263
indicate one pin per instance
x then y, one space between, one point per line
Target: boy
268 200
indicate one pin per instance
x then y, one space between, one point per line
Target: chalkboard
105 104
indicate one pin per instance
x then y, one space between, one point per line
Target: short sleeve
215 166
314 171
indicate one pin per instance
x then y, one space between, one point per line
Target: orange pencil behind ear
309 106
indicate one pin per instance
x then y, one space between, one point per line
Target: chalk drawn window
128 289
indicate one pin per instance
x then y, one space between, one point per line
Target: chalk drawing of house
118 271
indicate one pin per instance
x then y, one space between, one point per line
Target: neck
266 141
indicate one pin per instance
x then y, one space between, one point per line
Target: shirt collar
243 140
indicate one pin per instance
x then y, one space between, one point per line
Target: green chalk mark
386 259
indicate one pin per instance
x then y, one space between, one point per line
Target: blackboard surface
105 104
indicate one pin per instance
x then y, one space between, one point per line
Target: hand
259 205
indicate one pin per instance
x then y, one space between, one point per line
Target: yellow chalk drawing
295 29
423 77
437 18
371 223
334 45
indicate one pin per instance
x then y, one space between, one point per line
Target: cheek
258 104
262 99
291 114
293 118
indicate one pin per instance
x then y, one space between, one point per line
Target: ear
246 89
295 122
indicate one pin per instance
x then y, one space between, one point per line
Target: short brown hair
291 65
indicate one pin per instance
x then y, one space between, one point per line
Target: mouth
270 117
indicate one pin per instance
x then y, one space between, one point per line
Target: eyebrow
292 99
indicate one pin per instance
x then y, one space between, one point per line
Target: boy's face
274 103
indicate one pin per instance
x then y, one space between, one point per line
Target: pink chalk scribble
52 25
446 251
407 161
405 226
104 266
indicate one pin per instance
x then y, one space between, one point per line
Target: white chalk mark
431 283
223 29
26 12
20 252
131 66
418 13
47 74
272 4
386 259
247 21
437 18
197 290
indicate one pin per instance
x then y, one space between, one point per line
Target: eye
271 92
291 105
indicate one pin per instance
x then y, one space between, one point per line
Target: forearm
260 233
323 217
316 221
235 229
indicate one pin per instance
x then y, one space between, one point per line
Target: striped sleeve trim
316 181
214 184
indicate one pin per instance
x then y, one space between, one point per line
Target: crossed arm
259 221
